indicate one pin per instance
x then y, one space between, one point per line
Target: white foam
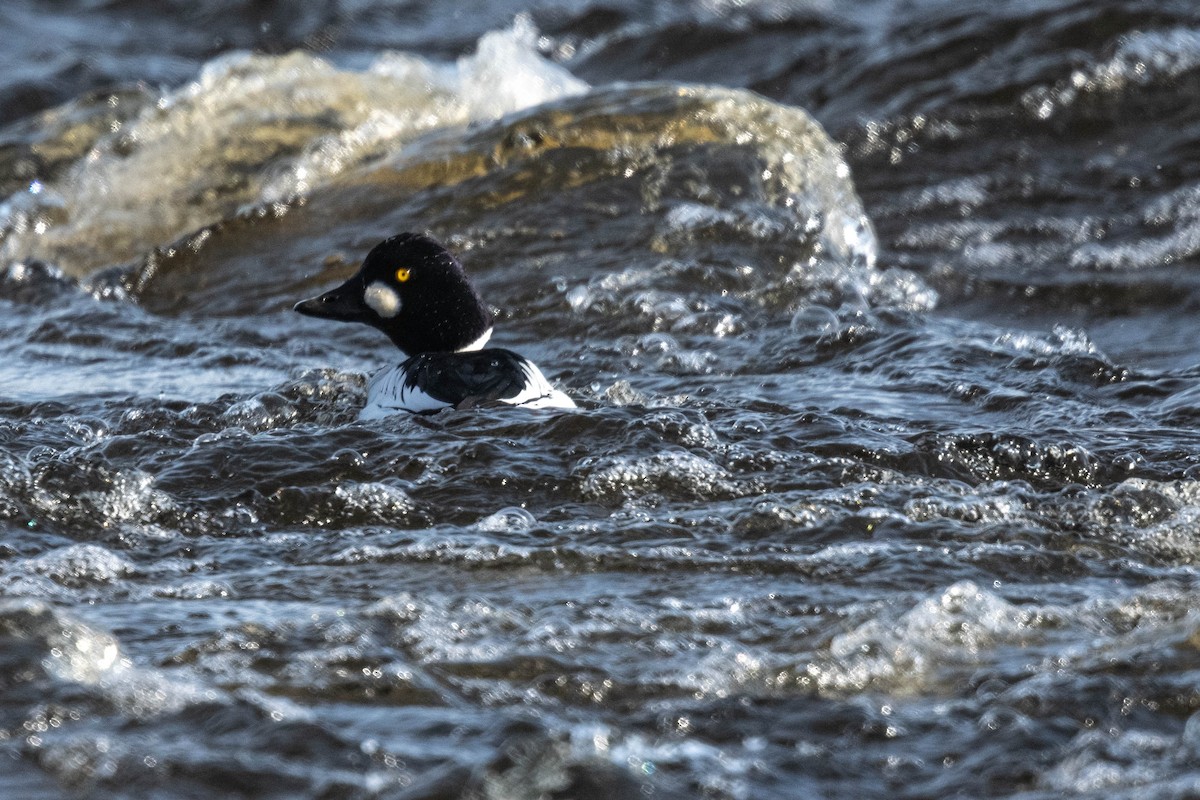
954 627
507 73
81 564
1061 341
1140 58
382 500
132 498
442 628
679 471
195 589
73 651
255 129
1112 762
1146 56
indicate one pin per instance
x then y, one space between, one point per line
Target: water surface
882 325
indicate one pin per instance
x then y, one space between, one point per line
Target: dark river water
881 318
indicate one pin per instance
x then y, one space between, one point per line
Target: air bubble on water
261 412
814 320
622 393
681 428
216 437
507 520
579 298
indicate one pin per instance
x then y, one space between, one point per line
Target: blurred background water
882 318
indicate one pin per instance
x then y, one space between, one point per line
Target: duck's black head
415 291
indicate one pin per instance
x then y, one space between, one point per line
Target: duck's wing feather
472 378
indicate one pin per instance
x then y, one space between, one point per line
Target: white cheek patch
382 300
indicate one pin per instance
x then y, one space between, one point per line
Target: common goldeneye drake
416 292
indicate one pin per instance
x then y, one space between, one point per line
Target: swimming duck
416 292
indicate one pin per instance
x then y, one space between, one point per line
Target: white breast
388 394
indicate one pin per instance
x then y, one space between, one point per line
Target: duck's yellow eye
403 274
